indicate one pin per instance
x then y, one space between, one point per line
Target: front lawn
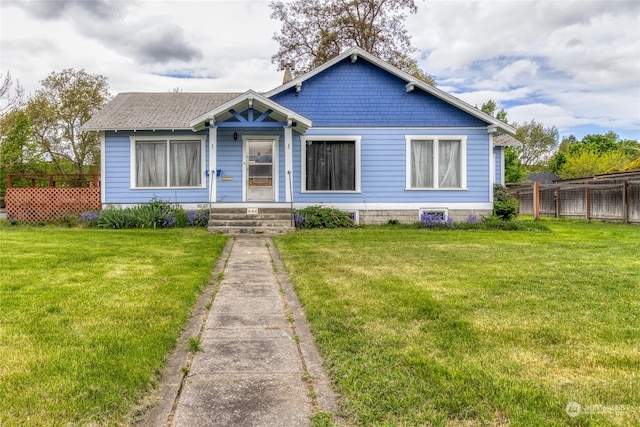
88 315
421 327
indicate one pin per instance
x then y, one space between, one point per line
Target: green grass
477 327
87 317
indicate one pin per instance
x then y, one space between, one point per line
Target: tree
589 163
10 96
314 31
514 170
66 100
538 142
489 108
17 151
596 143
593 154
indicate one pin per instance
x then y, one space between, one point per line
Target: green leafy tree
588 163
514 171
633 165
596 143
594 154
557 161
314 31
18 154
66 100
538 143
489 108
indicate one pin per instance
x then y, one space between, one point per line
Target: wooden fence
608 200
41 198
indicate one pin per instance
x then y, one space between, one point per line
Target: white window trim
303 165
167 139
436 147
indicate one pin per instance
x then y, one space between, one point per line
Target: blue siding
361 94
117 185
357 99
383 169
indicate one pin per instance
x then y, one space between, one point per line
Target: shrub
169 220
505 206
197 218
116 218
436 220
322 217
155 214
90 219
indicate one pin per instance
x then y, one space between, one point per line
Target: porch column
492 162
103 168
288 163
213 149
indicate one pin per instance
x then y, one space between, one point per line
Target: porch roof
506 141
252 100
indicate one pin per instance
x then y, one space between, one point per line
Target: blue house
356 133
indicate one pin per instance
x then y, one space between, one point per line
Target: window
331 164
167 162
436 162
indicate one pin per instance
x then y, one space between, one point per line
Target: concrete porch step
251 220
259 217
250 230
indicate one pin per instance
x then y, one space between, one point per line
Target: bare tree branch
314 31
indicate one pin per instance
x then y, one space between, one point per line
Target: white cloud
562 63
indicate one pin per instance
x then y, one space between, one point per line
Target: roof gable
269 110
363 95
409 84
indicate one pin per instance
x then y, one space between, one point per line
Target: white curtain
449 164
185 163
151 164
422 164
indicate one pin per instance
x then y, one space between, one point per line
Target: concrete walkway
258 365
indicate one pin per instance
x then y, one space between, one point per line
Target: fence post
557 201
536 200
586 199
625 201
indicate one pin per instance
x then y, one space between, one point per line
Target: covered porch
251 164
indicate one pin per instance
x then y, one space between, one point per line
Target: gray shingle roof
506 141
139 111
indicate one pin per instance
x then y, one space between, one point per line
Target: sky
574 65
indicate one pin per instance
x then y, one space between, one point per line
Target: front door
259 170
